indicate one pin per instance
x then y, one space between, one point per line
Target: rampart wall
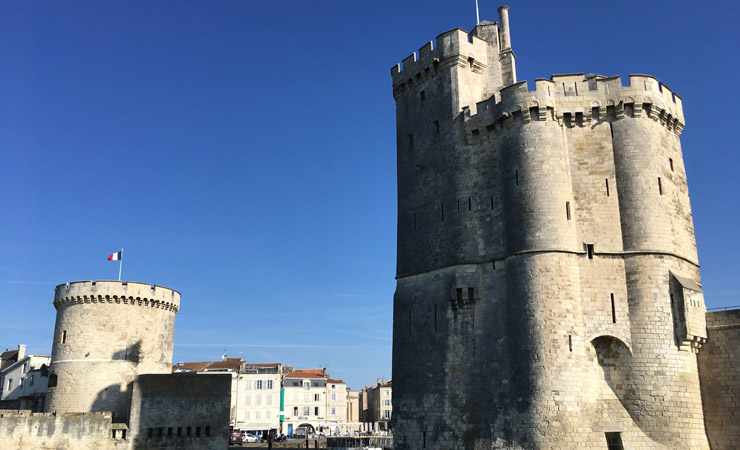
719 370
177 411
21 430
106 333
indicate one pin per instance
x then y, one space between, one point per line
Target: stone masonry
548 289
719 369
106 333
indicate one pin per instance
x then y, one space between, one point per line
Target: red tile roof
230 364
304 375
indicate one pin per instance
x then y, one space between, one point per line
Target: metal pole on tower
120 265
477 15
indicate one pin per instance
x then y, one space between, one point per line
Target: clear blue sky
243 153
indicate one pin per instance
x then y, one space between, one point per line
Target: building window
333 386
306 411
316 397
333 396
316 411
306 384
614 441
422 95
208 430
248 385
269 384
386 413
258 385
52 380
64 336
387 392
256 415
197 431
386 403
333 410
295 410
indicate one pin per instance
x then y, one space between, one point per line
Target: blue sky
243 153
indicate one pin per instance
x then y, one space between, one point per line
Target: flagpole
477 15
120 265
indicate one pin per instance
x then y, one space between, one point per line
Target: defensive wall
23 430
548 289
719 369
181 411
106 333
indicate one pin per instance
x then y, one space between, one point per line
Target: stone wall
719 370
21 430
180 411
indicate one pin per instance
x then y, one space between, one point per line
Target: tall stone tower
548 292
107 333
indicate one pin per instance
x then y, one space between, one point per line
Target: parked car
250 438
236 438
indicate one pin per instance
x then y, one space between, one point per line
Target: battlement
110 291
576 99
448 48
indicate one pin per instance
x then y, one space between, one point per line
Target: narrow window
123 434
614 441
570 342
316 411
208 431
435 317
660 186
567 210
575 86
564 89
160 431
411 140
197 431
188 431
470 205
492 203
443 211
179 431
169 431
436 126
150 432
459 294
470 293
493 264
670 163
614 311
424 440
458 205
64 336
590 250
516 177
607 187
422 95
611 128
52 380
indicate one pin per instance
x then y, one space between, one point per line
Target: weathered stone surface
719 366
548 281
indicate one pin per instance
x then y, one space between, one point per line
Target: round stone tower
107 333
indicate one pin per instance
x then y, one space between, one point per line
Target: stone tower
107 333
548 292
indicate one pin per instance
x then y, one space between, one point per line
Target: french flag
117 256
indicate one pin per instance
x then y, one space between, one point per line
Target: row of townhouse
23 379
273 398
376 407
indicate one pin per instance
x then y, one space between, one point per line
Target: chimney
503 18
21 351
223 357
378 381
